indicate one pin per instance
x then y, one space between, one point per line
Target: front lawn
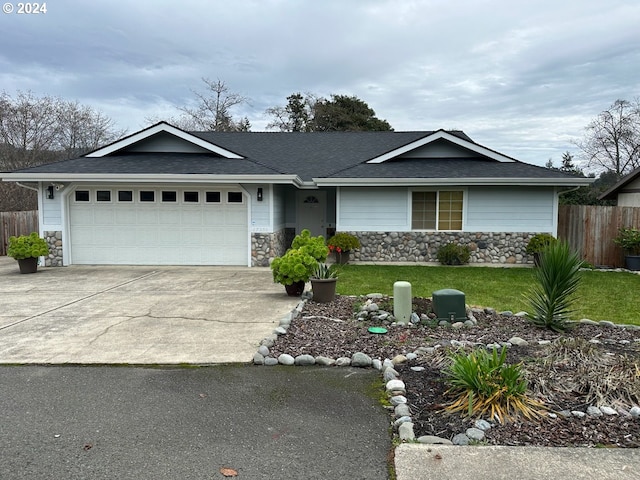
611 296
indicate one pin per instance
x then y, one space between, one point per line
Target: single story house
626 191
167 196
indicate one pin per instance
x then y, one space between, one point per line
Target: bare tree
612 139
36 130
213 110
28 124
82 129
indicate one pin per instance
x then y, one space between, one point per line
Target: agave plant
557 280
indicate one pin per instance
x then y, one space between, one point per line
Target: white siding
279 219
630 199
260 211
510 209
51 210
372 209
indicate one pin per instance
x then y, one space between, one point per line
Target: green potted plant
26 249
629 240
537 243
323 283
341 245
314 246
294 268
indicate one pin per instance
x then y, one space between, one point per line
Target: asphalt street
103 422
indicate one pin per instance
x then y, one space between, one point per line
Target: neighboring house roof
620 187
319 158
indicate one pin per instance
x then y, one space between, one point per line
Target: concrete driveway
136 315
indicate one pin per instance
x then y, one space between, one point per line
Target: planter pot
28 265
324 289
342 258
295 289
632 262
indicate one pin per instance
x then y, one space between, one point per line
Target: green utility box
449 305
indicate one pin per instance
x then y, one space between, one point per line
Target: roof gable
621 185
166 134
434 145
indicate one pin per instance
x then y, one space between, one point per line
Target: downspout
27 186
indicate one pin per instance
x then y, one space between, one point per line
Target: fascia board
381 182
441 134
161 127
147 178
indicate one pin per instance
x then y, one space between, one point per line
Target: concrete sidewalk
438 462
136 315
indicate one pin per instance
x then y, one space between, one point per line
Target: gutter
487 181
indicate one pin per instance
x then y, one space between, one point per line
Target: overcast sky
523 77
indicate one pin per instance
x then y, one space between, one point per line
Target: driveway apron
136 314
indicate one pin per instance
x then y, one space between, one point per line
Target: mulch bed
331 330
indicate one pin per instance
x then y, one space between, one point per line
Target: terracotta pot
342 258
295 289
324 289
28 265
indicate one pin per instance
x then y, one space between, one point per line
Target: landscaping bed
587 366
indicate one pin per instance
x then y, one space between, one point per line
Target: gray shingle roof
307 155
156 163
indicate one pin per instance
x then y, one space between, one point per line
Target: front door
312 212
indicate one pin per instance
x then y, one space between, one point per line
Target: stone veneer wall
495 247
54 240
265 246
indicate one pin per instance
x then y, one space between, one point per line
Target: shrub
486 386
27 246
294 266
313 246
629 240
453 254
343 242
557 279
538 242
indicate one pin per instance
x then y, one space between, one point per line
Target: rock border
395 388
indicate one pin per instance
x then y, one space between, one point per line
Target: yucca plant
486 386
557 279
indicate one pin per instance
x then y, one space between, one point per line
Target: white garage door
158 226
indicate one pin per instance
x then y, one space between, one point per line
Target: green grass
601 295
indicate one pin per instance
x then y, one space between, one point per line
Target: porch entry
312 212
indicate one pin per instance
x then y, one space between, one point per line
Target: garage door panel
169 216
157 233
125 217
191 217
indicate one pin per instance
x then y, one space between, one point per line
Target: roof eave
414 182
612 193
151 178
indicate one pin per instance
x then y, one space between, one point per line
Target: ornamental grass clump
486 386
557 279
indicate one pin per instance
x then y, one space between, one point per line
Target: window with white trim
436 210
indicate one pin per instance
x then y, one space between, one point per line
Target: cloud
523 78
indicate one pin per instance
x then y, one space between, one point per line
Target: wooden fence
591 230
16 223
